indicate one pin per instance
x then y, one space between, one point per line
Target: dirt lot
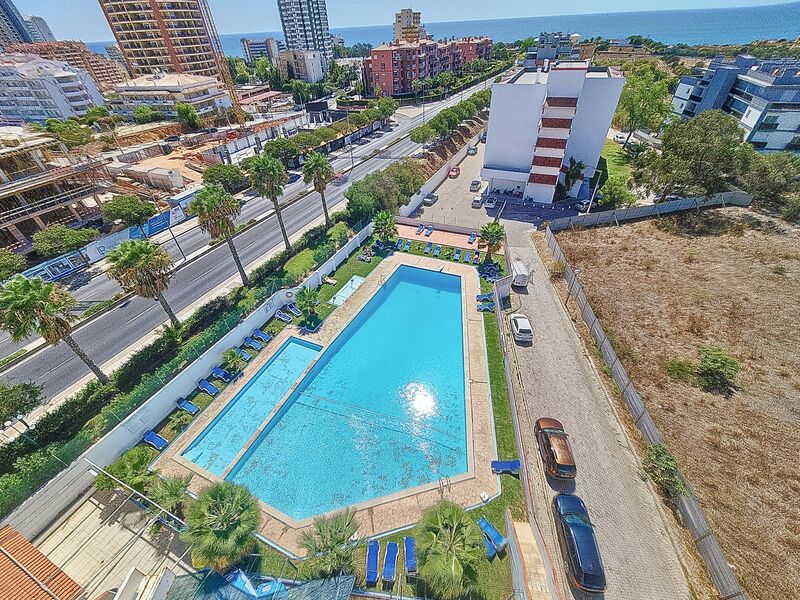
434 159
732 279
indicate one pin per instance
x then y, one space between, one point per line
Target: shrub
661 466
717 370
300 264
18 398
324 252
556 271
791 211
339 234
680 369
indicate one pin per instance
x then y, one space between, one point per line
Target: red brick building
474 48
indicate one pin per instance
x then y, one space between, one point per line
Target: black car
579 544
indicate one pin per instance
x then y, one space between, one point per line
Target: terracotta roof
556 123
547 161
544 142
27 573
541 178
561 102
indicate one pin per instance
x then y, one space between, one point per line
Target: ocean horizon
738 25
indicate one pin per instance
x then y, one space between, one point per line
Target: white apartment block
307 65
305 25
162 92
543 117
40 30
34 89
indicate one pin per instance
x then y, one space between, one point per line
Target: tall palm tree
169 492
385 228
450 549
215 209
307 300
318 170
492 234
29 306
331 546
268 176
141 267
220 525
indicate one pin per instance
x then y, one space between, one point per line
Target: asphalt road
57 368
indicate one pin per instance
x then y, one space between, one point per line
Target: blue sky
84 20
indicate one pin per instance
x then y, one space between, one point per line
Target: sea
697 26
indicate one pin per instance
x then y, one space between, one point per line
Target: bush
18 398
717 370
324 252
661 466
556 271
791 211
339 234
681 370
230 177
300 264
152 356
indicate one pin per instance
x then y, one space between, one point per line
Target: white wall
565 83
516 110
596 106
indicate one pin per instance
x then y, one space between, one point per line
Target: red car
454 172
554 447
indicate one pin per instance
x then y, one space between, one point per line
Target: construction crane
219 57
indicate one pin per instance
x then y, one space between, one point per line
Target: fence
707 544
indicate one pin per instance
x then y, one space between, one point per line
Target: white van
519 273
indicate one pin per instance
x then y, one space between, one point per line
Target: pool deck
387 513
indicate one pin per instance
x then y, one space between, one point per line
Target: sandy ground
732 279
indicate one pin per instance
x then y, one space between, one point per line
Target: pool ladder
444 484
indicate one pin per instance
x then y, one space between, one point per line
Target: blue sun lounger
410 548
457 254
477 258
486 307
253 344
390 562
294 310
491 532
437 250
407 246
472 237
467 257
372 562
261 336
428 248
283 316
207 387
420 228
488 297
491 552
505 467
151 438
245 356
399 244
429 231
187 406
221 373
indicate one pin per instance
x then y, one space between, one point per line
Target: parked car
340 179
579 544
430 199
475 185
583 205
483 137
620 137
172 138
519 274
477 201
472 150
521 328
491 202
454 172
555 448
210 130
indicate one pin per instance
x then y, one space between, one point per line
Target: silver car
521 328
475 185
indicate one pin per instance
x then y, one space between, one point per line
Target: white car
620 137
583 205
477 202
521 328
491 202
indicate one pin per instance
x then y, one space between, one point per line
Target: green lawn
617 161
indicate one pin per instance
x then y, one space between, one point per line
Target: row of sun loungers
428 230
390 560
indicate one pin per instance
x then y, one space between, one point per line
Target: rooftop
168 80
35 66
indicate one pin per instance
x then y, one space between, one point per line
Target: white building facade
34 89
541 119
163 92
306 65
305 25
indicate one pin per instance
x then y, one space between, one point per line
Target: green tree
131 210
71 132
307 140
644 102
616 193
424 134
144 114
450 550
573 174
407 174
230 177
360 205
19 398
307 300
220 524
386 107
94 114
318 171
300 90
187 116
268 176
492 235
216 210
142 268
33 306
330 546
385 228
232 361
169 492
59 239
132 468
284 149
772 176
10 263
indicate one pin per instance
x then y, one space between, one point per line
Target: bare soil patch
435 158
730 278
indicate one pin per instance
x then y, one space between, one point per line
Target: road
57 368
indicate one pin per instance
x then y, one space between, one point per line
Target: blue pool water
223 438
382 410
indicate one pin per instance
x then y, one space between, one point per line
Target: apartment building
267 48
474 48
40 30
163 91
764 95
552 46
42 184
13 28
305 25
105 72
408 26
35 89
307 65
541 119
170 36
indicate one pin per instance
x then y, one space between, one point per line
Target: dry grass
662 289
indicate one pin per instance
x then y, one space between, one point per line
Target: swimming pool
382 410
222 439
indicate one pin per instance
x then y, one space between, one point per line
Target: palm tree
268 176
331 544
220 524
385 228
318 170
30 306
215 209
169 492
574 172
132 468
492 234
450 549
141 267
307 300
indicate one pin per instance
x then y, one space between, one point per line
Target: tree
644 101
284 149
232 361
132 468
306 140
268 177
169 492
10 263
450 550
318 171
71 132
386 107
385 228
307 300
417 85
60 239
19 398
360 205
142 268
407 174
187 115
219 525
492 234
772 176
144 114
94 114
33 306
230 177
573 174
215 210
616 193
330 545
424 134
131 210
300 90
